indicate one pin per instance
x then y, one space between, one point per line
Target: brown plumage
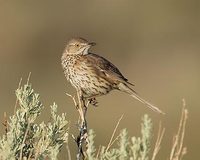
93 75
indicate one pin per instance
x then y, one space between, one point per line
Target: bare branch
178 150
73 98
157 147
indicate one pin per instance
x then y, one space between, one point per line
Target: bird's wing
103 66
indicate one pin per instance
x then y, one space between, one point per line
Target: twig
68 149
113 134
82 110
98 152
73 137
177 147
68 152
161 132
80 140
19 85
5 123
115 140
80 106
185 114
73 98
28 124
28 79
180 147
24 139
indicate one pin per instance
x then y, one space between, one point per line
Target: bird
93 75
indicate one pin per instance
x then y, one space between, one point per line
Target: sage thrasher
93 75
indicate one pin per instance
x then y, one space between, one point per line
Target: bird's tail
125 88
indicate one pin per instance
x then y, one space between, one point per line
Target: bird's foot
93 102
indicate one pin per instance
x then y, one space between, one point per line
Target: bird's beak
92 44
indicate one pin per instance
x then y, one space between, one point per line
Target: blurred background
155 44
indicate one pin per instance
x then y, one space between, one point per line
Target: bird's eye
77 45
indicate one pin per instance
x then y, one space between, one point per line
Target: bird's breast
83 76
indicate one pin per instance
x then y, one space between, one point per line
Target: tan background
156 44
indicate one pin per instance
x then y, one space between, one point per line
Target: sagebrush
25 139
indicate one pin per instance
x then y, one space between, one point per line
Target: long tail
125 88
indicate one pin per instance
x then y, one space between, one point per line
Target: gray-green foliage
129 148
26 139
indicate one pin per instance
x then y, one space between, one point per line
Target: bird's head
78 46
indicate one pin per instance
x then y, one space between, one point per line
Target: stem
22 146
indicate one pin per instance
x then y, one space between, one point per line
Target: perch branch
82 110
